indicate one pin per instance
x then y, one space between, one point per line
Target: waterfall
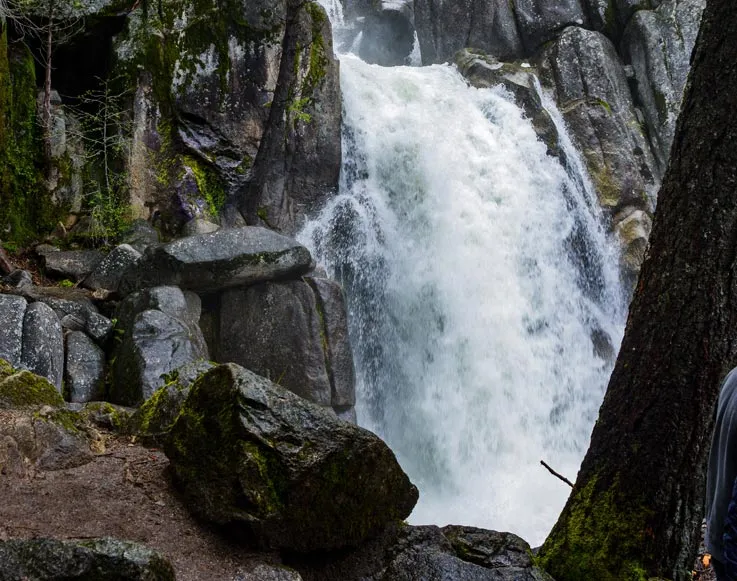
483 294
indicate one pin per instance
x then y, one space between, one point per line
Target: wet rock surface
284 472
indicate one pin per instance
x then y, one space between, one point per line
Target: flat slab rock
219 260
99 559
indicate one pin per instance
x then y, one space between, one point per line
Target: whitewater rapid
481 286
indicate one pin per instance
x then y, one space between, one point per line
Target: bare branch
556 474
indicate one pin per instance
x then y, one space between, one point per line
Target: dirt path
125 494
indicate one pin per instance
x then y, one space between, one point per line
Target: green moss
661 104
107 415
208 183
6 369
598 537
25 207
25 389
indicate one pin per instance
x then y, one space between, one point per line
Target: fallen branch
554 473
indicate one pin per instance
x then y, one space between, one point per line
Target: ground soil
124 493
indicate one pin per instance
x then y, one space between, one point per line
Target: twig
554 473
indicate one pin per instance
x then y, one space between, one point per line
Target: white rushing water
478 278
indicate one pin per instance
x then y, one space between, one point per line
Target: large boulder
540 20
43 343
12 312
275 330
293 332
107 274
35 431
453 553
659 43
220 260
154 348
99 559
84 372
282 471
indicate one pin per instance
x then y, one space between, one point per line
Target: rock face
223 259
298 163
100 559
594 97
388 33
286 473
453 553
484 72
659 43
443 28
294 333
206 123
160 335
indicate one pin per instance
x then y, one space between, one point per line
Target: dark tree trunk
636 509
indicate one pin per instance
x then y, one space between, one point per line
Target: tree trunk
636 508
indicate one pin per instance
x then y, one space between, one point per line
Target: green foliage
66 283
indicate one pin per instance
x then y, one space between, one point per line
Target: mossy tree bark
636 509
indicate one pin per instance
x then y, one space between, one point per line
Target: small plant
66 283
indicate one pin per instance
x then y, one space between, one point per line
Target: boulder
21 389
593 95
659 43
84 373
108 273
443 28
198 226
156 345
140 235
282 471
12 312
220 260
99 559
185 306
80 315
539 21
71 264
19 279
151 422
45 438
453 553
43 343
275 329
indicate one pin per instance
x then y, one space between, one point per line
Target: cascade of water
481 291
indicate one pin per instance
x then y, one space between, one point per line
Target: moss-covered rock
22 389
152 421
284 472
99 559
25 208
